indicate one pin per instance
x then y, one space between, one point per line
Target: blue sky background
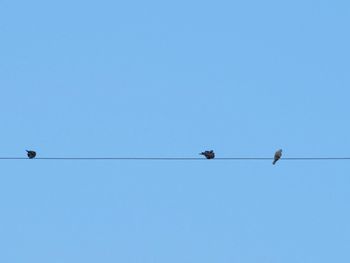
170 79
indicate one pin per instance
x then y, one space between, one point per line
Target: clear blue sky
160 78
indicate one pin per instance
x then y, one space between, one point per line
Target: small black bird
31 154
278 155
208 154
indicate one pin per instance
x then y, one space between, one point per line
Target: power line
180 158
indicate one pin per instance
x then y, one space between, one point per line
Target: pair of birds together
211 155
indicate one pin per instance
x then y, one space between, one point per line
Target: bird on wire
31 154
278 155
208 154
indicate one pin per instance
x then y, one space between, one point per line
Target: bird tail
274 162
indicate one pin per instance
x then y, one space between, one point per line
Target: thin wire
180 158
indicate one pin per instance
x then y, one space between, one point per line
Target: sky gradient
171 79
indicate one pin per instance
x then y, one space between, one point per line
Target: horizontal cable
180 158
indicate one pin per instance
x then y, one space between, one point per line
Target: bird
31 154
208 154
278 155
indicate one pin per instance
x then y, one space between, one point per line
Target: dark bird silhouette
278 155
31 154
208 154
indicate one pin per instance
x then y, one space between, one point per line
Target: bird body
278 155
31 154
208 154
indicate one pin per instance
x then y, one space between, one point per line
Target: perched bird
31 154
278 155
208 154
